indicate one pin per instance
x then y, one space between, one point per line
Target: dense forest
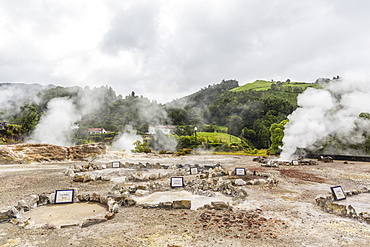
248 113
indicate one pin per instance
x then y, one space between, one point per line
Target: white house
96 131
165 129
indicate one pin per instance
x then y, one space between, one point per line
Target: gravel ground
272 215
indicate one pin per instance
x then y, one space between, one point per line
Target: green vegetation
11 134
259 85
242 119
218 137
141 147
287 86
277 134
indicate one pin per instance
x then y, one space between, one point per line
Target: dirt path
281 215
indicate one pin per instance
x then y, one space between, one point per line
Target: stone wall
14 214
327 204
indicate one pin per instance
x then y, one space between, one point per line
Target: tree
141 147
249 134
29 118
262 133
178 116
277 134
364 115
235 125
274 87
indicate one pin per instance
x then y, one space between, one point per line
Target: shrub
141 147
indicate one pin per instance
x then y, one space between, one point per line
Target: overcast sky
168 49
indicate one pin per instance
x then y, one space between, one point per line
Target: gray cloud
168 49
132 27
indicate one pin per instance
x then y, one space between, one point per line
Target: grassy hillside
261 85
215 137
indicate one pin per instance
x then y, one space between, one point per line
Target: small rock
32 201
14 221
182 204
87 178
78 178
109 216
219 205
43 200
95 197
49 226
240 182
129 202
165 205
89 222
23 205
141 192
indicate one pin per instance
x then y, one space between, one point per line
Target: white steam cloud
331 111
14 95
125 141
162 141
58 123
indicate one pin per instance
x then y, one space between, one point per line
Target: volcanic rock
39 152
89 222
182 204
6 215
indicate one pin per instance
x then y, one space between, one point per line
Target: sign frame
194 170
64 196
295 162
240 172
177 182
116 164
338 193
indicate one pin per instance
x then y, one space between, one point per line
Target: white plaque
64 196
240 171
177 182
115 164
194 170
338 193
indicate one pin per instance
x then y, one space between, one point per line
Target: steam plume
331 111
125 140
56 126
164 142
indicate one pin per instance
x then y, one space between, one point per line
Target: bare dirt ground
272 215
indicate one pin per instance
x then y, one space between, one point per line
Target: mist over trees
257 117
246 114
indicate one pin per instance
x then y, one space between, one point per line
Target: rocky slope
29 153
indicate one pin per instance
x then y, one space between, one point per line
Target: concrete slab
64 214
169 196
360 202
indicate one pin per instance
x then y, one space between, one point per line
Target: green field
216 137
261 85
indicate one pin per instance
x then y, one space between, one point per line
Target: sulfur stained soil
284 214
